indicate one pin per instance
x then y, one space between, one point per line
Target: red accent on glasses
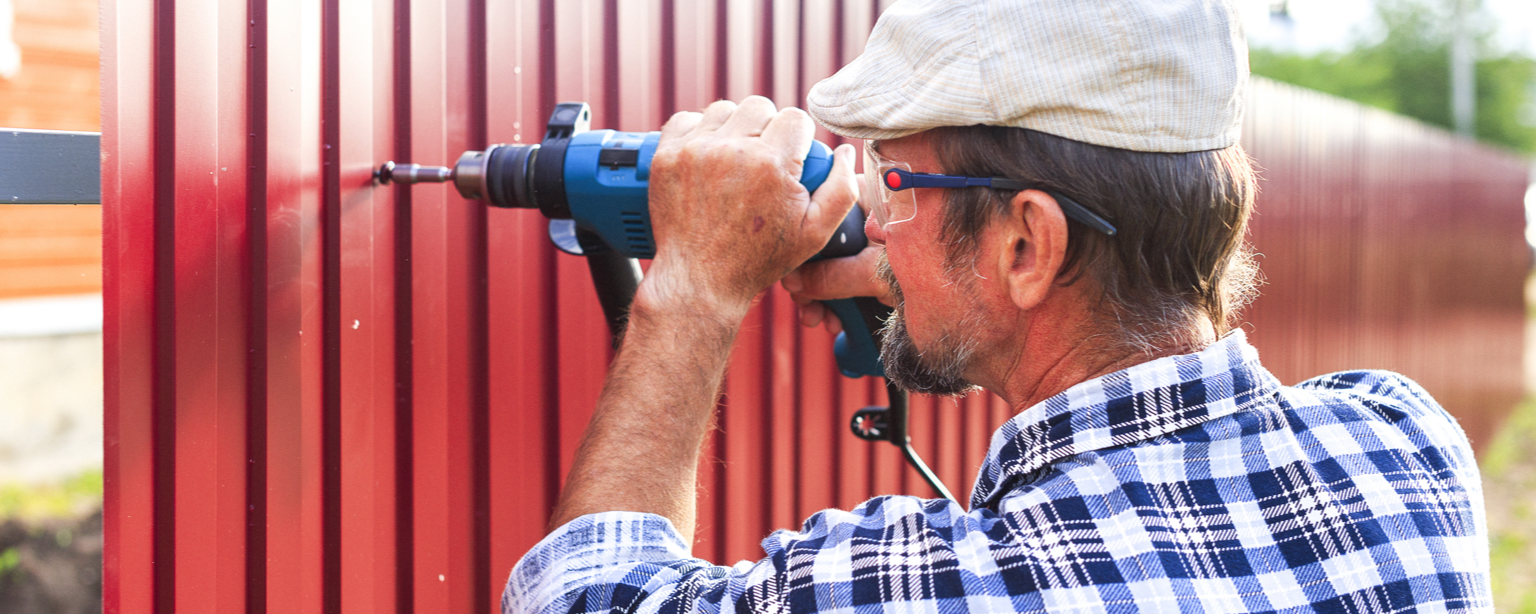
893 179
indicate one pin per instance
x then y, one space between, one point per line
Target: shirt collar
1135 404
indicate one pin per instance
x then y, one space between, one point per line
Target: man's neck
1047 362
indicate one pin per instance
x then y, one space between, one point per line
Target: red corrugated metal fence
326 395
1388 244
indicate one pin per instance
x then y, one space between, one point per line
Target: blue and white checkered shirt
1192 483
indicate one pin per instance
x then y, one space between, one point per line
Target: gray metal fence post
49 167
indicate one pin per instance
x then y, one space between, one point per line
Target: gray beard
937 370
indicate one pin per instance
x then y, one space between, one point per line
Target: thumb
836 196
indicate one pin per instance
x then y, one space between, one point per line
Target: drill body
607 178
594 186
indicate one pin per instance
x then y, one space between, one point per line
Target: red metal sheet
577 73
436 296
854 474
820 421
324 394
128 181
1387 244
361 535
782 420
744 422
286 510
209 305
521 329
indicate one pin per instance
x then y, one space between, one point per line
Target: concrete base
50 407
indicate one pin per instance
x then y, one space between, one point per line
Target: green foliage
1406 69
1345 75
71 497
1506 114
1511 444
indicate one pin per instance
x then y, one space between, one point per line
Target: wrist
666 293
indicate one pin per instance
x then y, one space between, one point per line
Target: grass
74 496
9 559
1509 490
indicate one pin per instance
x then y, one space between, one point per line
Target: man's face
930 341
940 367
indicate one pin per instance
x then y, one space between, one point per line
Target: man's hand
826 280
837 278
730 218
727 207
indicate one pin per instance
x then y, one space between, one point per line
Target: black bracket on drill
568 119
615 277
877 423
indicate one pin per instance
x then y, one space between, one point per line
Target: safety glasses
888 186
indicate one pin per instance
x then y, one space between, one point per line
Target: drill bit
412 173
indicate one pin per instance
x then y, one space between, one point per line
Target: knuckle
682 117
757 101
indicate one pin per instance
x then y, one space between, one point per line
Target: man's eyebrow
874 145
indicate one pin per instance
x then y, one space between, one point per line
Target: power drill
593 186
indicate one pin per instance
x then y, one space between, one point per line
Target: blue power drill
593 186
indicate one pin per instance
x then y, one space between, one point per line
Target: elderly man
1090 280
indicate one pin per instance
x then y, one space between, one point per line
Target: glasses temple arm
1068 206
1071 208
1082 214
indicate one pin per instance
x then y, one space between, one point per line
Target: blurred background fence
1388 244
323 394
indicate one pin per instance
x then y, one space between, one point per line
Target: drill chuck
499 175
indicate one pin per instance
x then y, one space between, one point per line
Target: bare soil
51 566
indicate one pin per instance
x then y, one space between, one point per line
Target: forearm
640 452
730 218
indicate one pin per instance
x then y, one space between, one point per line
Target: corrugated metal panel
1388 244
325 395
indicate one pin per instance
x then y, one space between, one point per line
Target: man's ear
1032 247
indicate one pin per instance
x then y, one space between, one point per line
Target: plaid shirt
1192 483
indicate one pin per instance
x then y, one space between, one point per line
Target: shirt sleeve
1407 406
887 549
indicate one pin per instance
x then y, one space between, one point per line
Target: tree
1405 68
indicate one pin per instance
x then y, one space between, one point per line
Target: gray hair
1179 255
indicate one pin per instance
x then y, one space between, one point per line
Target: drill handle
857 352
616 279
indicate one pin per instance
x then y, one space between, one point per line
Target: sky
1334 24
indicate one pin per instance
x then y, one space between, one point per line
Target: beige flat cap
1146 75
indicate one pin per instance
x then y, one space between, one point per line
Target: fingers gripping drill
593 187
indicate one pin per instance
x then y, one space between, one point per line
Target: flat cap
1145 75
